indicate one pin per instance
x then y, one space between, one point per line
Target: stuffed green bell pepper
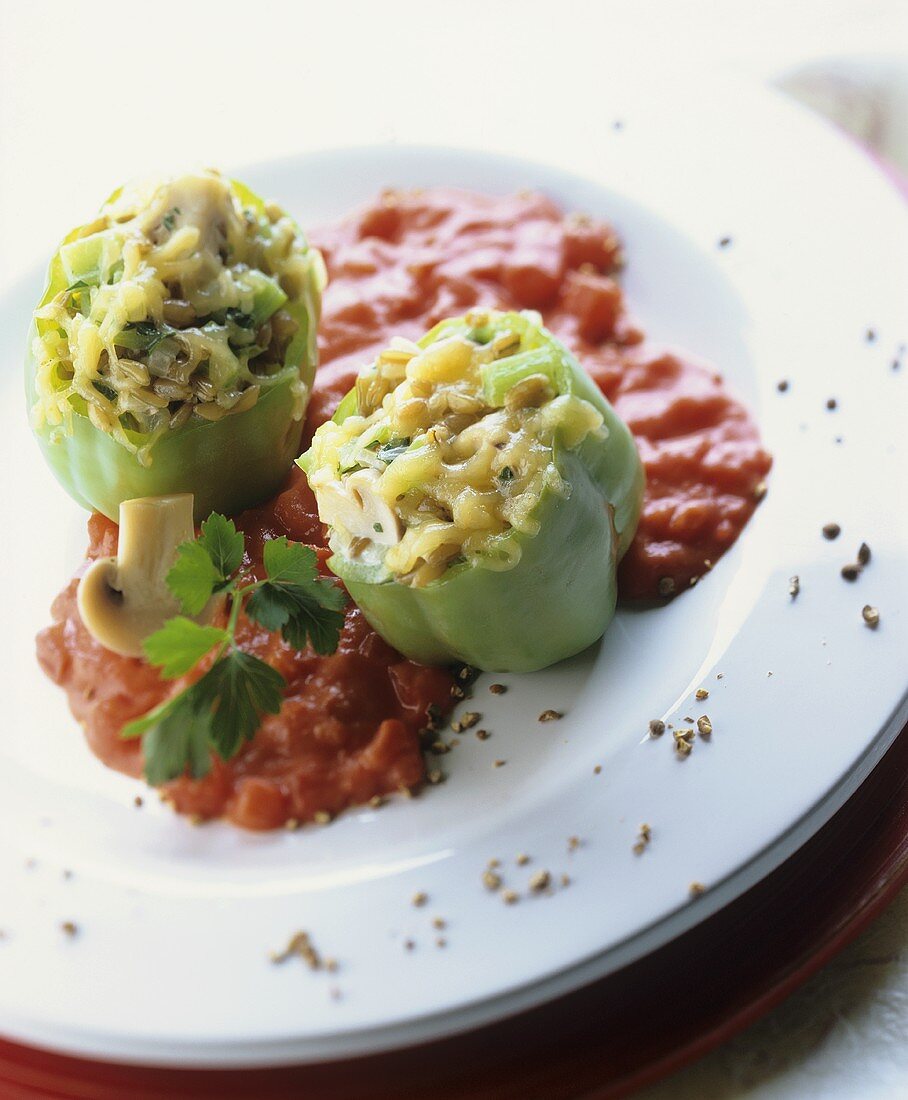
174 347
479 493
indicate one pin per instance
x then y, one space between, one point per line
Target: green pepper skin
556 601
228 465
561 595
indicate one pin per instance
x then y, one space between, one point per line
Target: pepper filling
448 450
185 299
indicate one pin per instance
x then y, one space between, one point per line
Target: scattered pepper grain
644 836
466 721
684 742
491 880
539 881
302 947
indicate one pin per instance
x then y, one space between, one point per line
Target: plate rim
363 1040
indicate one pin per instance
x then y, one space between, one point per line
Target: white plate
175 923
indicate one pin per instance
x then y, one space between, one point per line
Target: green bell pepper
229 460
534 596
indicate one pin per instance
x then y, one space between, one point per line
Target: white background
91 94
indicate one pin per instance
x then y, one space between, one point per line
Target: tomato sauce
348 730
413 258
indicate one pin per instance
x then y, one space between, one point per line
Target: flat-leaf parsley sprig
223 708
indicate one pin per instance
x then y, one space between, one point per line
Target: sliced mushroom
124 599
200 201
355 506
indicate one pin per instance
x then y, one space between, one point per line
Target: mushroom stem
124 599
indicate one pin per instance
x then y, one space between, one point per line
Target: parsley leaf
193 577
296 601
206 564
289 562
223 708
302 614
268 608
179 738
223 544
180 644
175 735
244 687
219 711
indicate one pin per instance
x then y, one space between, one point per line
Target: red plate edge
607 1039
